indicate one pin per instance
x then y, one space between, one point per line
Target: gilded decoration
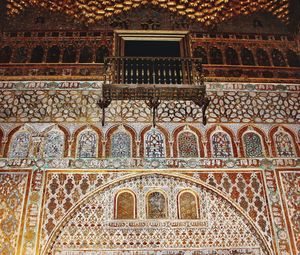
291 195
207 13
12 202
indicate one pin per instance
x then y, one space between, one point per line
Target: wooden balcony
142 78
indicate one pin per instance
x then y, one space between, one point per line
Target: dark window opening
152 62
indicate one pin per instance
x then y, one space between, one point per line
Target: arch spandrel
90 225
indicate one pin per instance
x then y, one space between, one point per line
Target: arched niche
56 142
145 141
188 205
196 136
125 205
94 131
255 130
19 142
283 142
156 205
212 133
111 139
93 226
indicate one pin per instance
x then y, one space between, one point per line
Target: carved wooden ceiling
206 12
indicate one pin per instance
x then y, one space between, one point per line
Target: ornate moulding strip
230 103
144 163
96 85
245 251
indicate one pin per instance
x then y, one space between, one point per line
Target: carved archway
219 213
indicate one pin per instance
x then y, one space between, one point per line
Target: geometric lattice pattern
92 224
12 197
291 186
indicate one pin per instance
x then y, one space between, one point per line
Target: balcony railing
153 71
153 79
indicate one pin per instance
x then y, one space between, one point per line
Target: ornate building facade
189 147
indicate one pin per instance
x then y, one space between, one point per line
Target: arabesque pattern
93 226
12 199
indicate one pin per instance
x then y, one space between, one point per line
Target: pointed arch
231 56
69 55
216 56
52 141
121 128
86 55
165 142
37 54
125 205
98 142
278 58
200 52
252 129
5 54
213 130
289 147
262 57
219 195
53 54
192 130
19 142
188 204
247 57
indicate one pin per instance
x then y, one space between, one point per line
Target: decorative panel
188 205
87 144
13 190
20 145
154 144
93 226
54 145
188 145
291 196
125 205
221 145
253 145
120 145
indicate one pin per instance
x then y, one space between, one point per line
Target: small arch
156 205
112 141
277 57
21 55
101 53
188 205
62 148
125 205
215 56
192 130
293 58
86 55
154 143
263 58
247 57
53 54
19 143
69 55
283 142
200 52
253 145
228 147
262 136
5 54
93 144
37 54
231 57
